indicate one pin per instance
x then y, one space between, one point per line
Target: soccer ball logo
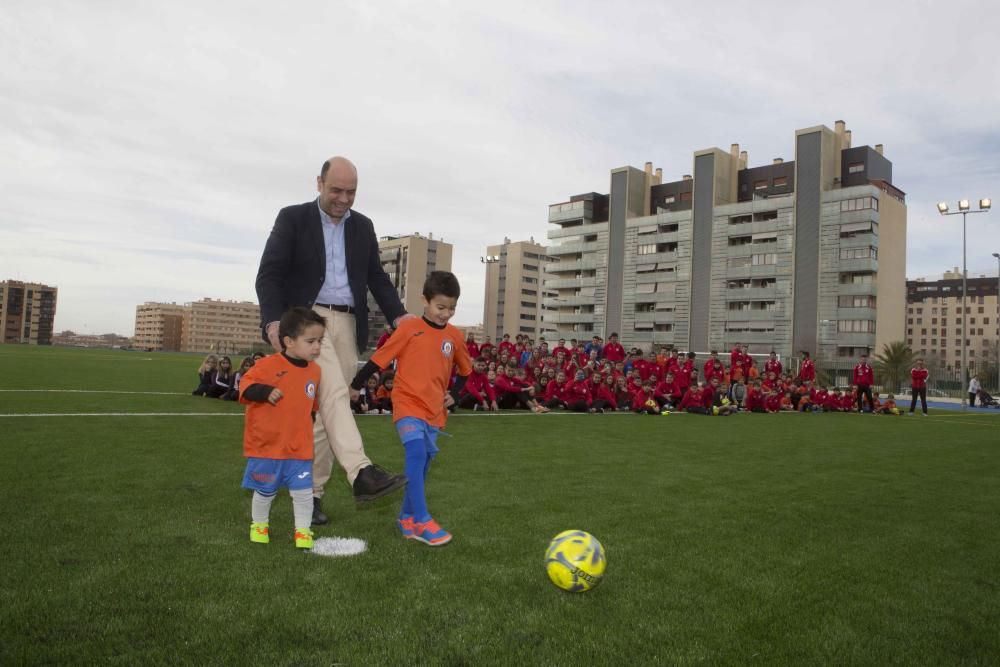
575 561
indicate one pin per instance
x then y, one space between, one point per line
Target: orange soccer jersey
285 430
424 357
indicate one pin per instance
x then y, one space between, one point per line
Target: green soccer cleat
259 533
303 538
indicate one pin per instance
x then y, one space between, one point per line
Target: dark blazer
293 267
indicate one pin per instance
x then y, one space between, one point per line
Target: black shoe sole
397 484
320 520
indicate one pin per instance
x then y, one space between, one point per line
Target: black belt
340 309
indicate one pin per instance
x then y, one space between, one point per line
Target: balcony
857 288
559 283
576 210
559 302
859 265
568 318
576 230
852 339
656 257
655 317
572 248
754 315
751 293
562 267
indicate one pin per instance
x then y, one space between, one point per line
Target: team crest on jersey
447 348
311 389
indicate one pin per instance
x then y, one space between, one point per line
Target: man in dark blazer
324 255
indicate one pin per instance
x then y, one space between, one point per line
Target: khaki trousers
335 434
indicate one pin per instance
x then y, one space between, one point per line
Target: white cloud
148 149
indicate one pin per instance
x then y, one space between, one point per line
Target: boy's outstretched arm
262 393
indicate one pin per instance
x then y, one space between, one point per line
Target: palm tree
893 364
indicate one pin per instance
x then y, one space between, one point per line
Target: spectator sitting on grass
222 379
205 372
234 393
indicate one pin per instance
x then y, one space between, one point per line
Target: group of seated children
216 378
598 378
375 398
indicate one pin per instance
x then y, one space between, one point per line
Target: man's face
337 189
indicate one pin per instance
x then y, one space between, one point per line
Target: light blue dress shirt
336 289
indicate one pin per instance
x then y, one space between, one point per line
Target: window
765 258
529 267
740 219
856 326
646 249
780 181
739 262
663 327
645 307
852 229
740 240
855 168
859 204
529 292
859 253
760 185
590 238
669 199
858 301
645 288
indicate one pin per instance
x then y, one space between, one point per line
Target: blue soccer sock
416 466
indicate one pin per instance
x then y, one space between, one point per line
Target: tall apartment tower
513 299
807 254
408 260
27 312
158 326
934 320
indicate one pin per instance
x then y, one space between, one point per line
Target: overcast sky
147 147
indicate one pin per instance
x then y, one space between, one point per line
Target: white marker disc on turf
339 546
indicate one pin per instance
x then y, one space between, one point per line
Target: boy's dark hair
295 321
441 283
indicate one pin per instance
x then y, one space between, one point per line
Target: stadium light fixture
942 207
984 204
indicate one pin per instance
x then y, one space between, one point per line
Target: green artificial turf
754 539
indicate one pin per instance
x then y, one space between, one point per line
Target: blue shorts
411 428
269 475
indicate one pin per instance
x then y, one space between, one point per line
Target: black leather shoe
319 519
374 482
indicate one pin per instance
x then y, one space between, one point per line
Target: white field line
240 414
94 391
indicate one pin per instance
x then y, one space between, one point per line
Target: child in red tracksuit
623 395
578 398
754 401
644 402
477 392
603 397
555 392
694 400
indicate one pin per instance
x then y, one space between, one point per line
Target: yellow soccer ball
575 561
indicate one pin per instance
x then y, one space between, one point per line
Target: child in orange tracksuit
425 350
889 407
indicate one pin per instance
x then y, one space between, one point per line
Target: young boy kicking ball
425 350
280 394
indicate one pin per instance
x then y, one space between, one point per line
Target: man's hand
449 400
355 394
272 336
402 318
274 396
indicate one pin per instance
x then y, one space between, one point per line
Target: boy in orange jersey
425 351
280 394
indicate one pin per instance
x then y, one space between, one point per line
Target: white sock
302 507
260 507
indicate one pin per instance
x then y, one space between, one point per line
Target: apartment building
934 320
408 260
807 254
208 325
27 312
158 326
513 297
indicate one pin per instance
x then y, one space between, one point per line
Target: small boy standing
280 394
425 351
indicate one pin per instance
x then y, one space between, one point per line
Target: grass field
755 539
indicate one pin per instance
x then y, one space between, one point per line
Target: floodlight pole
997 255
964 209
